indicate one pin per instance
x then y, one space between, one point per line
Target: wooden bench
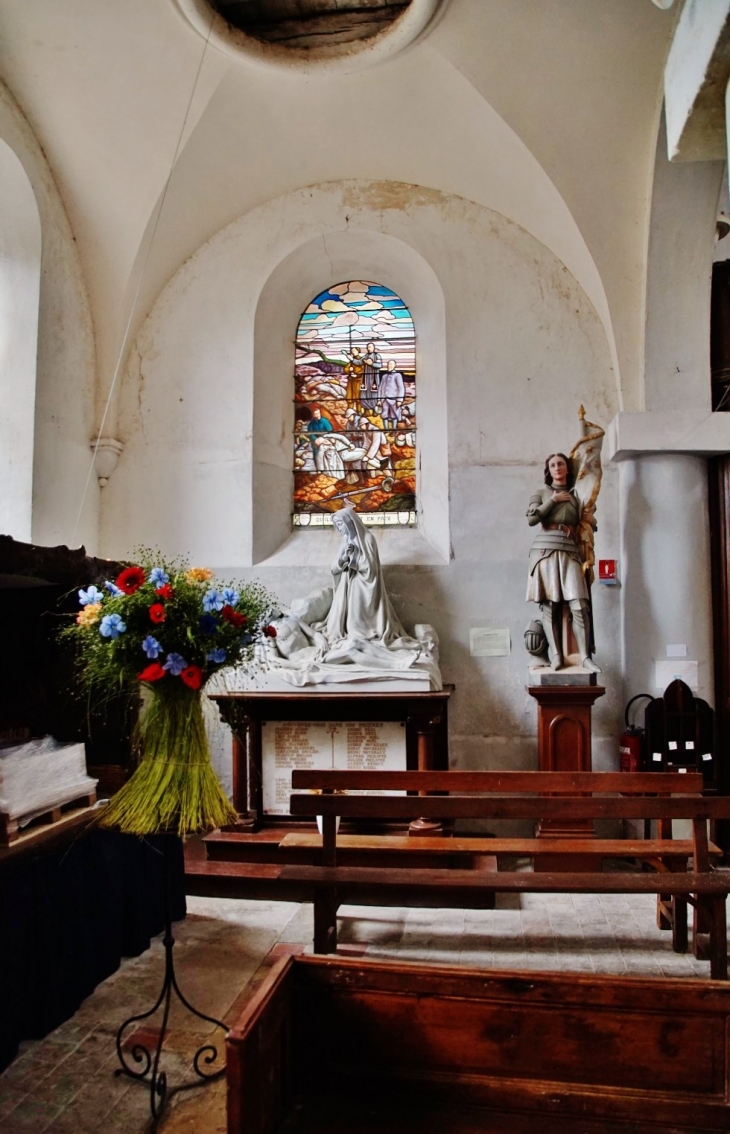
330 1044
481 795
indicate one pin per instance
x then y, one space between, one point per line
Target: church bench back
625 783
481 795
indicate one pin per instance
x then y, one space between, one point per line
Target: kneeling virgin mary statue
349 632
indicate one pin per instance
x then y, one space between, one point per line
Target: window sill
305 548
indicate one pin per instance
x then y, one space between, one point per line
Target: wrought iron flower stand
138 1061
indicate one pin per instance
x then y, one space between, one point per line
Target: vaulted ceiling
545 111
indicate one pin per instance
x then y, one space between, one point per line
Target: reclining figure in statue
350 631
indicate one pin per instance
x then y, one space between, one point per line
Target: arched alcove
353 254
60 349
20 273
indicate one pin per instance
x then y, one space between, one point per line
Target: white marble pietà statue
349 631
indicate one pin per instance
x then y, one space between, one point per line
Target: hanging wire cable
133 308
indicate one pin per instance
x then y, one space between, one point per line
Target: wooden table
424 715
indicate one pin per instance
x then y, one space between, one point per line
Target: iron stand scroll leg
143 1063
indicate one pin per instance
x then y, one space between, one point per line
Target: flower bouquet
165 629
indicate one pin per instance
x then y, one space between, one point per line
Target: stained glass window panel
355 407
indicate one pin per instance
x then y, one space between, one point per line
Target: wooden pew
327 1045
481 795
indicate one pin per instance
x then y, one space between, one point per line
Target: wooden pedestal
564 745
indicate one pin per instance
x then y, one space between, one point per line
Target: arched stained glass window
355 407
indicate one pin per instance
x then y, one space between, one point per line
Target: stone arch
65 361
355 254
20 275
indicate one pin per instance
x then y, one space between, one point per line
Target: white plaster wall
523 347
64 405
664 555
544 111
695 124
665 558
20 269
679 278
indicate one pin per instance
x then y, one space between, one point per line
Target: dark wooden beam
310 24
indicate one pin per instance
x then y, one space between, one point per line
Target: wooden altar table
424 717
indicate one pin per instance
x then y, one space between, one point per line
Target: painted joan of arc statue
561 556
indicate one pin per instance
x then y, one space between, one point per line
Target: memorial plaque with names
344 745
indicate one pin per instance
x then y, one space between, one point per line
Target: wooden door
719 478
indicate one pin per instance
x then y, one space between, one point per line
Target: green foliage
175 787
165 629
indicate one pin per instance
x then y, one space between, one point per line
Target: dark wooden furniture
680 733
328 1045
74 900
425 716
719 508
11 831
38 592
333 885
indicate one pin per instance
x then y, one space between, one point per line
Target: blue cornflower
208 624
175 664
218 655
112 626
230 596
113 589
90 595
151 647
213 601
158 577
246 639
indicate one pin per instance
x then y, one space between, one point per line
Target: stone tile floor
66 1083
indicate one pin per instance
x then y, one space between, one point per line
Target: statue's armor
545 542
560 578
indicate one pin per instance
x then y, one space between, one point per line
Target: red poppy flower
130 580
192 675
232 616
157 612
152 672
165 591
270 631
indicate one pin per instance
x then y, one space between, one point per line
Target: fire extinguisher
631 743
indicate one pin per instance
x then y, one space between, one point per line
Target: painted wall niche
360 256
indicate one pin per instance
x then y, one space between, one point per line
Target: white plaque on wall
668 671
345 745
485 643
